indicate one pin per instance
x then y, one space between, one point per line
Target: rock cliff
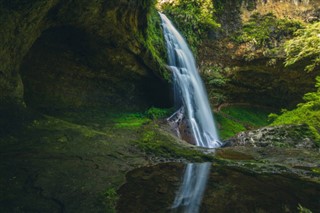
80 53
254 72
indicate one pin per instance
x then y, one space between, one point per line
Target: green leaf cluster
216 80
112 198
263 30
157 113
305 113
305 45
192 17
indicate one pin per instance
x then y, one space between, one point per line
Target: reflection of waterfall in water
195 109
189 196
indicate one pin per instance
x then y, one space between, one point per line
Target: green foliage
305 113
155 41
214 77
192 17
302 209
250 116
229 127
305 45
235 119
112 198
316 170
157 113
262 30
130 120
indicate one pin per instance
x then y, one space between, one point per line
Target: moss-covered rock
82 53
248 51
294 136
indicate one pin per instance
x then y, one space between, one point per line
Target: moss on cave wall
73 52
21 23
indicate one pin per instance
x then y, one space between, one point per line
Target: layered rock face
293 136
255 74
77 54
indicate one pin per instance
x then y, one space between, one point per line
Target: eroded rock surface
294 136
86 53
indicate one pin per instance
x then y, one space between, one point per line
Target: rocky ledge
289 136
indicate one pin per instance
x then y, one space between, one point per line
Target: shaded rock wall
21 24
79 53
252 74
305 10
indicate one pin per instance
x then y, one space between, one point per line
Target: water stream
190 95
194 108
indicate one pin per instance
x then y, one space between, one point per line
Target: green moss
155 42
251 116
192 17
51 123
235 119
316 170
64 149
130 120
161 144
228 127
305 113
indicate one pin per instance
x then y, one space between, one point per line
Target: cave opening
68 67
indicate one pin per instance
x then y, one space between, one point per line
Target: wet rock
229 189
294 136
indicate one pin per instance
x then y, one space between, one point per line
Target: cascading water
189 89
192 99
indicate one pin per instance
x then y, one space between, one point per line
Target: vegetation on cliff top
304 46
192 17
265 34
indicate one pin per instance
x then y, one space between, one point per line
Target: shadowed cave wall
65 54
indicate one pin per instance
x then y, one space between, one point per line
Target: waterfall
191 97
189 90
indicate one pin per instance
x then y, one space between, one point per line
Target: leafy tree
305 45
262 30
